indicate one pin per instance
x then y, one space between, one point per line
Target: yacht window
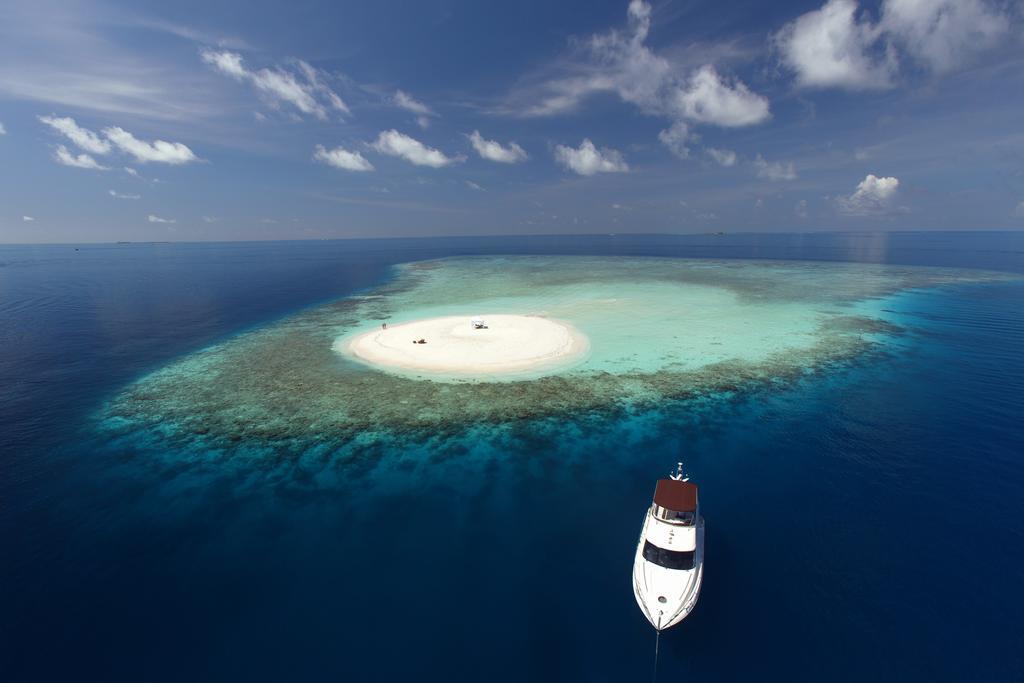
669 559
683 518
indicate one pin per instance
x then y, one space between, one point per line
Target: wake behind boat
669 561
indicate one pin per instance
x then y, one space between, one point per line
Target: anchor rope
657 642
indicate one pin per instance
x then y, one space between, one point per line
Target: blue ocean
196 487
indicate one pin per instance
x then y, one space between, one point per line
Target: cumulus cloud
156 219
131 171
27 219
709 98
722 157
774 170
93 143
339 157
588 160
840 46
395 144
159 151
873 195
63 156
832 47
493 150
944 33
303 89
619 62
675 138
84 138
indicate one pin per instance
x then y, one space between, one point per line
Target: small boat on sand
669 563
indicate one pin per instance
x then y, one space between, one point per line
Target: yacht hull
667 596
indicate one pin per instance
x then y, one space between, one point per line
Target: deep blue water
865 524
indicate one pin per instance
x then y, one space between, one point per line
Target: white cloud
306 90
313 77
63 156
942 34
801 209
3 131
723 157
27 219
873 195
708 98
285 86
83 137
131 171
395 144
158 151
495 151
588 160
839 46
228 63
210 219
156 219
118 195
410 103
830 47
774 170
619 62
337 102
470 184
675 138
189 33
77 55
340 157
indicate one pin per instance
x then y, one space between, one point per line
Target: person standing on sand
383 326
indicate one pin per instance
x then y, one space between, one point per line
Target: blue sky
307 120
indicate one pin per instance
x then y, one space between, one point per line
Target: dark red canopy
680 496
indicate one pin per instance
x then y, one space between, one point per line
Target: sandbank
509 344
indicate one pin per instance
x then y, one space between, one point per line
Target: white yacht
669 561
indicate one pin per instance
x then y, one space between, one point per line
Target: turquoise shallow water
658 329
199 488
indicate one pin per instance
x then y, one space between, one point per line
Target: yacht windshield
670 559
683 518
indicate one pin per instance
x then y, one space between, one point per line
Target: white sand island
508 344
